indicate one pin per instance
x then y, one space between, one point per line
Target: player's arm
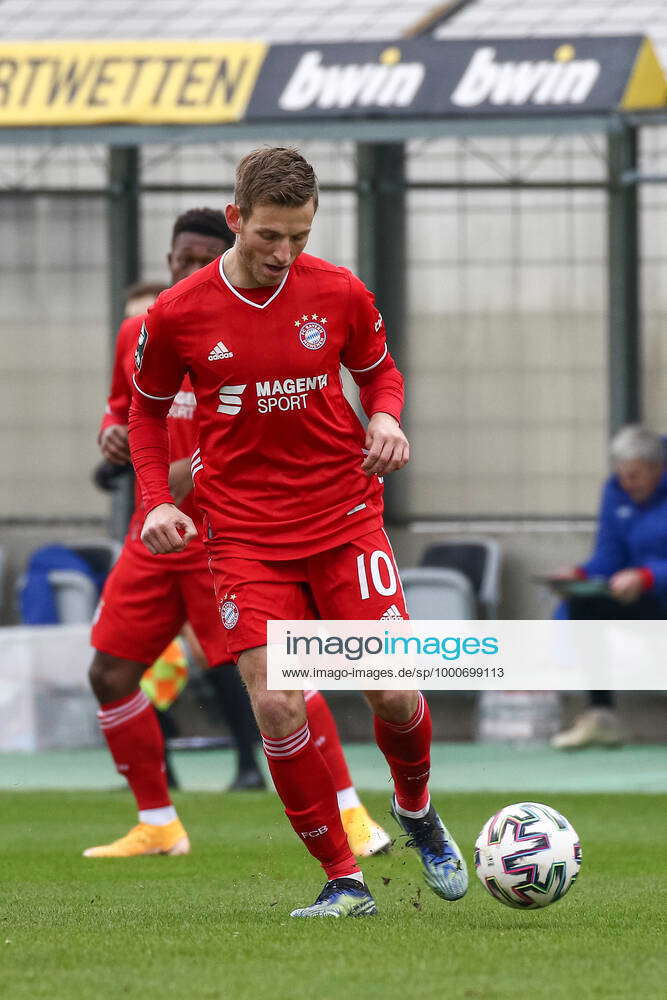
112 437
180 479
372 367
157 376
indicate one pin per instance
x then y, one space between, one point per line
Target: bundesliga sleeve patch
141 347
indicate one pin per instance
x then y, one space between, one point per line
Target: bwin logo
230 398
388 83
565 80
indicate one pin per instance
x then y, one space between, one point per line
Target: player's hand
180 480
626 585
388 447
114 445
167 529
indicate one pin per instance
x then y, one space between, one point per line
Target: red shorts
147 599
357 580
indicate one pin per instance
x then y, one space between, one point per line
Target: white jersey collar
236 292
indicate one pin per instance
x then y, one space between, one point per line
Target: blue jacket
632 535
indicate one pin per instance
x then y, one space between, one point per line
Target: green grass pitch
215 925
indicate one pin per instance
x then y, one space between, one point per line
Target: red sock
324 733
407 748
135 740
306 788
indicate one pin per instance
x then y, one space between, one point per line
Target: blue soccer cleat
445 870
341 897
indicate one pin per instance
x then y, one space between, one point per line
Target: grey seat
479 560
75 595
432 593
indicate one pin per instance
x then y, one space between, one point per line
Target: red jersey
181 416
278 468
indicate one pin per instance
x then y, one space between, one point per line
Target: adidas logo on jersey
392 614
220 352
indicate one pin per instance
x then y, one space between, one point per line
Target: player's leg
234 703
248 594
364 835
231 696
360 581
163 682
133 625
403 734
301 777
307 791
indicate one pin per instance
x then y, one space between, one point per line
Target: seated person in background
631 554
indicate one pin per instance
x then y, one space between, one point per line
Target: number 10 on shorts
378 557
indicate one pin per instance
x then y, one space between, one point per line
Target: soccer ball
527 855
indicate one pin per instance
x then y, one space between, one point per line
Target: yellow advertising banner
148 82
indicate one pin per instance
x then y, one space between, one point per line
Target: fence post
624 318
382 262
124 268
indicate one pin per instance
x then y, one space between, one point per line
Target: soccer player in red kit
288 482
146 601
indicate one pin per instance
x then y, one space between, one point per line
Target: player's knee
393 706
252 668
112 678
97 671
279 713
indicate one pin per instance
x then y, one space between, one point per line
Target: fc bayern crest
312 333
229 614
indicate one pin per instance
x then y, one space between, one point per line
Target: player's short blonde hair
274 175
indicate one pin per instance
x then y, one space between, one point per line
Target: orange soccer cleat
364 835
145 839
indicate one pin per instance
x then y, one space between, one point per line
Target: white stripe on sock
284 741
414 815
118 717
407 727
348 798
158 817
357 876
289 746
119 709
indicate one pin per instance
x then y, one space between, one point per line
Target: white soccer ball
527 855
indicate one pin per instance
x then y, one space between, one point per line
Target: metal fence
505 345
